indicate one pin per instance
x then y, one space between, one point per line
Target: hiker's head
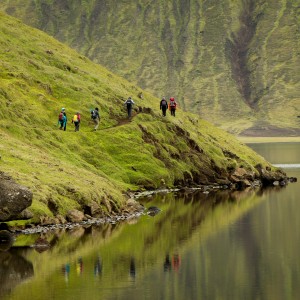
63 109
129 97
172 99
97 108
164 98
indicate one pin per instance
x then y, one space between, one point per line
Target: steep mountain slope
71 169
235 63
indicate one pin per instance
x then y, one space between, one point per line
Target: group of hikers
164 105
95 116
62 119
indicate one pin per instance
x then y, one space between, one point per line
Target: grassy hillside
70 169
235 63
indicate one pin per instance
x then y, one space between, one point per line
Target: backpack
94 114
129 103
164 103
60 116
75 118
172 103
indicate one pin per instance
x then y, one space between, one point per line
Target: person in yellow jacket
76 121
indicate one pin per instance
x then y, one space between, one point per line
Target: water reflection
98 267
14 269
189 242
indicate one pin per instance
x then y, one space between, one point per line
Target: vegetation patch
69 170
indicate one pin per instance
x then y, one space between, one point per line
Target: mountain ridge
233 63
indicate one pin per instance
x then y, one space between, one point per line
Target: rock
61 219
14 198
41 245
46 220
132 206
75 216
152 211
292 179
268 177
242 178
93 209
6 240
26 214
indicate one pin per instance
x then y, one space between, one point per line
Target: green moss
75 168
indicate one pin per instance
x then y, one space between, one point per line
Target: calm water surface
240 245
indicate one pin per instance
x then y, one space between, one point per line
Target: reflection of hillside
142 245
13 270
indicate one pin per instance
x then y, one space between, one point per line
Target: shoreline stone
14 198
93 215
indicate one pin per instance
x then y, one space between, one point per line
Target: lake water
223 245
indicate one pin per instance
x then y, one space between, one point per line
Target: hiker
95 117
172 106
163 106
62 119
76 121
129 104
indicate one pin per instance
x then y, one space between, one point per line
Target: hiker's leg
96 124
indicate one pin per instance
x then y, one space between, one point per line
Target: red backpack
172 102
60 116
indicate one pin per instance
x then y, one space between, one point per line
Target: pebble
93 221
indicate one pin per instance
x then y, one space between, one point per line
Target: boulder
268 177
14 198
93 209
75 216
242 178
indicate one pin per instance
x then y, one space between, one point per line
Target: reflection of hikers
167 263
172 106
132 267
95 117
62 119
129 104
176 261
164 106
79 266
66 271
98 267
76 121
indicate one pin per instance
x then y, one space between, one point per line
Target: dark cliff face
234 63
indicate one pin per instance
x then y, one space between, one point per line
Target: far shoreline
268 139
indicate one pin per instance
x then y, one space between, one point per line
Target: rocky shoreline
14 193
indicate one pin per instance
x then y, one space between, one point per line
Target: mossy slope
235 63
39 75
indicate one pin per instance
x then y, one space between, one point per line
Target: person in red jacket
172 106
